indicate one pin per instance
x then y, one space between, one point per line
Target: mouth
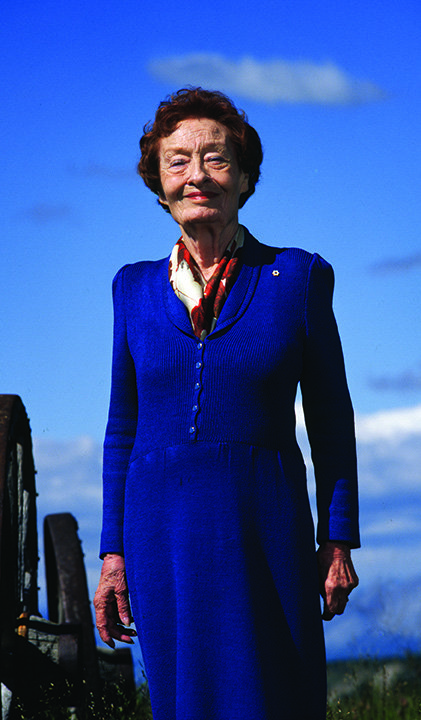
201 195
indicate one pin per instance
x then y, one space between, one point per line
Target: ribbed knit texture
203 478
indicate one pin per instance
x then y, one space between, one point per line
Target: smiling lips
201 195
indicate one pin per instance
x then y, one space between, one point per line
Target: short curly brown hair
195 102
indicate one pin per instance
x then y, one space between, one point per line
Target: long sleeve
328 413
121 426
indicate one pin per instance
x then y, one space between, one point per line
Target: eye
177 162
217 160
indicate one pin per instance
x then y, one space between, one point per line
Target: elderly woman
207 523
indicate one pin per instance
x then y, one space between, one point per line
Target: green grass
375 690
358 690
115 702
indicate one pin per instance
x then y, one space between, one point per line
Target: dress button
197 386
199 345
192 430
198 365
194 408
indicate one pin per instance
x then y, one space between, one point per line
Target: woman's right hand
111 602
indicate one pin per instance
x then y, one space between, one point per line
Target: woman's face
200 177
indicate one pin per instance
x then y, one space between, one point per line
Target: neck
207 246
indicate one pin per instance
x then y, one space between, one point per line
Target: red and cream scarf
204 300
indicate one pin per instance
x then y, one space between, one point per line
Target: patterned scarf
204 300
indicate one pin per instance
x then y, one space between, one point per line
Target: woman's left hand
337 577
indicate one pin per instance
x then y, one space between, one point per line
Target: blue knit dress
205 486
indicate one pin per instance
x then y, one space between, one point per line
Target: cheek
167 188
174 186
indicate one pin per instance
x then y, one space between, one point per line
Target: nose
198 173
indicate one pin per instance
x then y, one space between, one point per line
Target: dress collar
237 301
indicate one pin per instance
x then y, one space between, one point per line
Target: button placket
198 367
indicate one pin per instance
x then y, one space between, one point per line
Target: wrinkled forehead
196 133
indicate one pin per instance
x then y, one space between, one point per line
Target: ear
244 186
162 201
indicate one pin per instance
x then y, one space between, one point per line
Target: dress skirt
223 584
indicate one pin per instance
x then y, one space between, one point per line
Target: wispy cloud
47 212
69 475
94 170
270 81
396 265
407 381
401 524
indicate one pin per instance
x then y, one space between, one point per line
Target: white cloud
270 81
389 425
68 475
389 452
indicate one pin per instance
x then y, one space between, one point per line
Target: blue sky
339 177
334 91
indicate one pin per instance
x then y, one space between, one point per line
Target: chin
202 216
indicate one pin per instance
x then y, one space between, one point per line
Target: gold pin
275 272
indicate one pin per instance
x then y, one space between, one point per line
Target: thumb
327 614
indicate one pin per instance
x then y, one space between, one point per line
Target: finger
123 634
355 579
126 635
107 621
105 635
123 608
327 615
109 632
336 601
334 604
103 623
